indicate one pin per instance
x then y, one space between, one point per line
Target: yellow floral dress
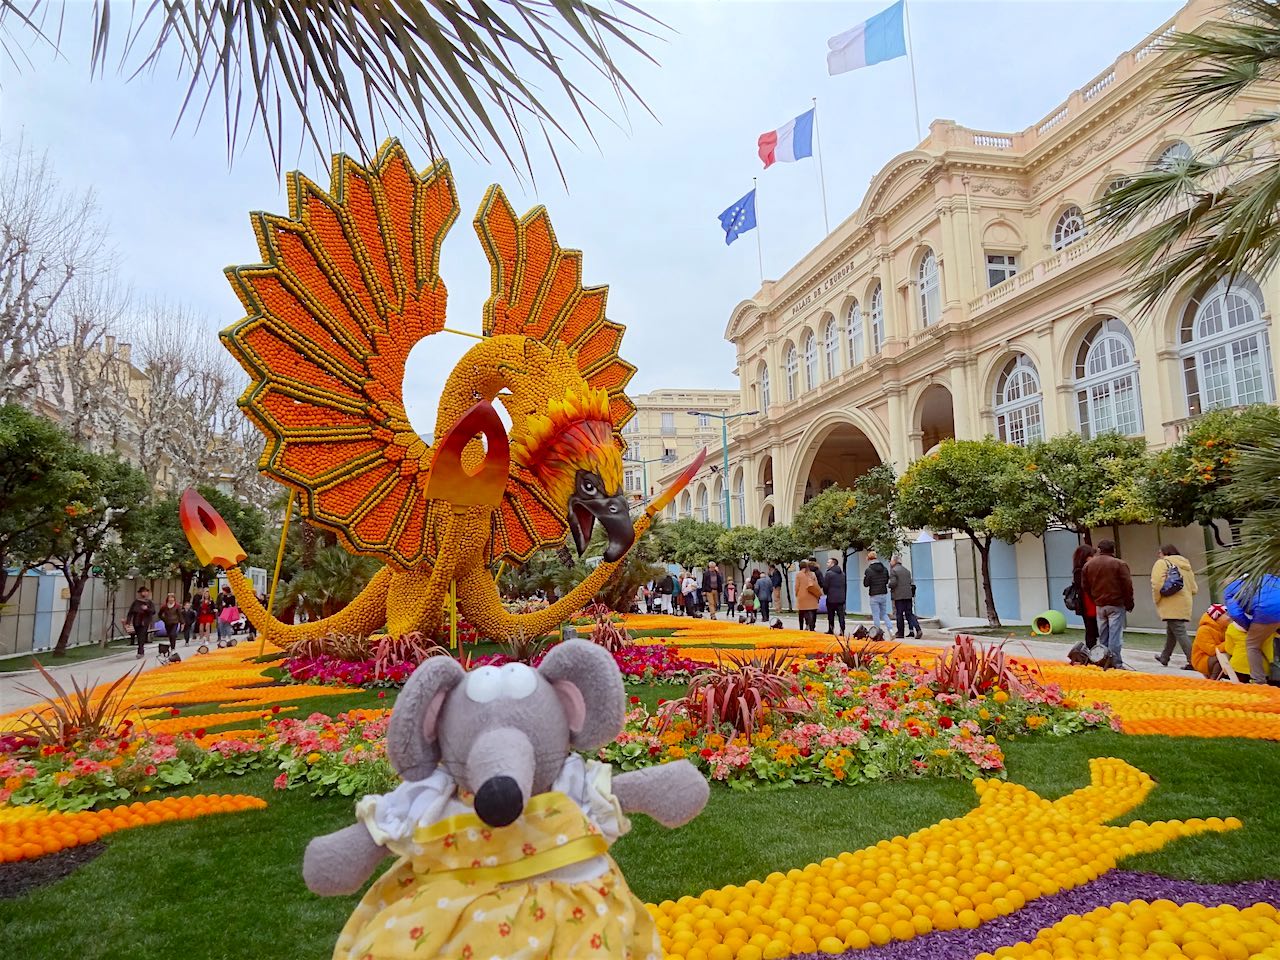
542 888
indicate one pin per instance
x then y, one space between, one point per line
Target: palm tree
330 583
347 68
1215 214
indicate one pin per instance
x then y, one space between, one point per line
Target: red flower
635 699
914 731
528 849
706 753
661 701
596 942
655 750
276 708
538 913
504 929
866 723
805 751
487 835
466 952
415 933
946 723
150 770
577 913
382 694
174 711
199 732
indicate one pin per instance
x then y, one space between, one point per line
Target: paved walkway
1054 651
99 670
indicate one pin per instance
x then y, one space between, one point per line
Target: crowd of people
817 591
1234 639
205 614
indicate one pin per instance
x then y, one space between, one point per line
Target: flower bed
840 725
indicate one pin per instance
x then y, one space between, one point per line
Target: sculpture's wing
349 283
537 292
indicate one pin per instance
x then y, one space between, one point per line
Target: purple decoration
1024 924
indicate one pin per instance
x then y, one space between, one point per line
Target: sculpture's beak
614 516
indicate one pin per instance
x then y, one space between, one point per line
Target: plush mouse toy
501 830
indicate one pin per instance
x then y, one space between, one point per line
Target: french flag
790 142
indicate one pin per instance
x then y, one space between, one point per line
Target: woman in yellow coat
1236 648
1173 608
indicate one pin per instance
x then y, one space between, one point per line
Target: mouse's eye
484 684
518 680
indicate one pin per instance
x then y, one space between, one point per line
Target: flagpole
755 187
911 62
822 180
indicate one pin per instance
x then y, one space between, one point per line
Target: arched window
739 498
1226 353
1174 154
1019 403
686 504
791 370
717 501
702 504
930 290
857 343
877 320
764 388
1069 228
810 361
831 348
1107 396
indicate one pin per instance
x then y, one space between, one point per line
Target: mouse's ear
589 684
411 734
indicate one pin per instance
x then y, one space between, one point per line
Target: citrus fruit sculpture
349 284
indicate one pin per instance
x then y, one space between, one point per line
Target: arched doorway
766 478
839 457
767 516
937 420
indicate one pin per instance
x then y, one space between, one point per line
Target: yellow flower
984 714
787 754
715 741
1035 723
942 752
1000 696
312 757
677 753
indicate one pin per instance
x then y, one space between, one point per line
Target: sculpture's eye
589 487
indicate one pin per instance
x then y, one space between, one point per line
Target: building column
899 442
962 397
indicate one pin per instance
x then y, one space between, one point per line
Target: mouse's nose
498 801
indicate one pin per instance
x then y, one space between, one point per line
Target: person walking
1088 610
228 612
731 597
748 598
188 621
1256 608
1107 579
876 579
808 592
206 615
775 575
140 618
170 614
663 590
712 587
902 588
835 585
689 593
764 594
1173 585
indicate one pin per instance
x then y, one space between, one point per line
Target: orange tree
1081 484
850 520
985 489
1190 482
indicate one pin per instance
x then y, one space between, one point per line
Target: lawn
81 654
230 887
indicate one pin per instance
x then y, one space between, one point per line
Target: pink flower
281 782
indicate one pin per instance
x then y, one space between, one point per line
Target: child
749 603
731 596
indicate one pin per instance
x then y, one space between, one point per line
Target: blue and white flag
739 218
874 41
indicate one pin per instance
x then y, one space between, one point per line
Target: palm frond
1214 214
347 69
1254 493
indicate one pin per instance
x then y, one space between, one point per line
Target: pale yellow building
965 297
663 432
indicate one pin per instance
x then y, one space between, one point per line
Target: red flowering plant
822 722
345 755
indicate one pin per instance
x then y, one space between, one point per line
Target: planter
1051 621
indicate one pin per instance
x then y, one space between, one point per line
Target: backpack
1172 580
1072 600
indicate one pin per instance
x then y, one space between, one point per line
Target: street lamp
644 468
724 419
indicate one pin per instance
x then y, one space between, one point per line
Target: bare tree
48 238
87 378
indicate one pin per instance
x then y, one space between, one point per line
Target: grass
229 888
1071 636
80 654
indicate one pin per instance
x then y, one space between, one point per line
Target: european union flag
739 218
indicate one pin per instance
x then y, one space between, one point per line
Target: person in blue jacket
1257 611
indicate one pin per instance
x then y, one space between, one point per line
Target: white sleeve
392 817
602 807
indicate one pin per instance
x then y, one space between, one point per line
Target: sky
641 201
